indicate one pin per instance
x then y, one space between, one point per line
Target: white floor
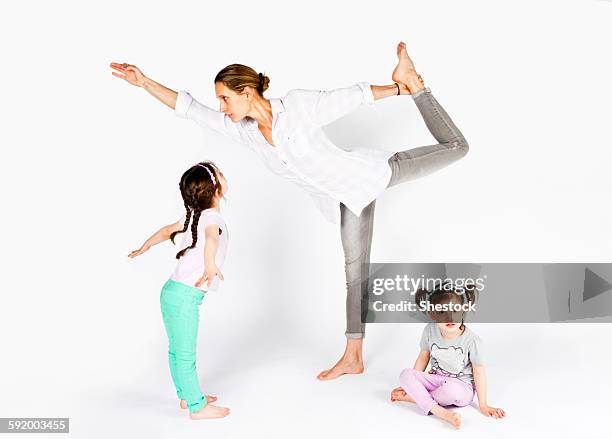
551 379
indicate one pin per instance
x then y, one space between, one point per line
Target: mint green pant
181 313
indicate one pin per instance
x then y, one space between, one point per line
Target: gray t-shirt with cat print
452 357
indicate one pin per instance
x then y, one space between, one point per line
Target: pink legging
428 389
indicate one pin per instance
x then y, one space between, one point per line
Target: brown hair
446 293
197 189
237 76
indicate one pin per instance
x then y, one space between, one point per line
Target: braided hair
198 186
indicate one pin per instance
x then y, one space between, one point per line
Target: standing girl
457 365
287 134
197 271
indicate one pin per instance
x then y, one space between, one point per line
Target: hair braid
194 232
187 219
198 185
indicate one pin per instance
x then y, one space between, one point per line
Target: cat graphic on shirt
450 361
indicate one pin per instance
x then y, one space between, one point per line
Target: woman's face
235 105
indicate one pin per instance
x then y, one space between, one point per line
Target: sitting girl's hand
209 274
140 251
492 411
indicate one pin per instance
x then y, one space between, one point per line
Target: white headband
212 176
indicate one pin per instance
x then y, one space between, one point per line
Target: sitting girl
457 367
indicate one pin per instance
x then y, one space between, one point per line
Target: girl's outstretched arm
422 361
160 236
480 380
210 251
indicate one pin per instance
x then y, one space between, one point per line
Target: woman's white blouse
303 152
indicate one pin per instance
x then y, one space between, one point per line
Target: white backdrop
91 165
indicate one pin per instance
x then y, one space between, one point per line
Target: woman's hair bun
264 82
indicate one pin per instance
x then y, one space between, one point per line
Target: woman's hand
209 274
128 72
492 411
140 251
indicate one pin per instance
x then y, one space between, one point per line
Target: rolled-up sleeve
183 102
325 106
188 108
368 96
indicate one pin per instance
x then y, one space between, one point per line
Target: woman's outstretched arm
134 76
326 106
182 103
385 91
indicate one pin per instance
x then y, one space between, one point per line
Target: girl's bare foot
400 394
210 412
209 399
405 73
447 415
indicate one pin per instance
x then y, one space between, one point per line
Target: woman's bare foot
210 412
447 415
209 399
350 363
344 366
405 73
400 394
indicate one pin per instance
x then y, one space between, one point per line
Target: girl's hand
492 412
140 251
209 274
128 72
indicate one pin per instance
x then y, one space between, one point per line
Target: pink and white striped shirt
303 152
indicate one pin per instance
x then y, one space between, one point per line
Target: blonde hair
237 76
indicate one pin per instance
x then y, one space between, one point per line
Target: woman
287 135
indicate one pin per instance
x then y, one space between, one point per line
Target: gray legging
356 231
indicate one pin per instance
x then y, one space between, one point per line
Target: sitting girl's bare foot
447 415
405 72
209 399
210 412
400 394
